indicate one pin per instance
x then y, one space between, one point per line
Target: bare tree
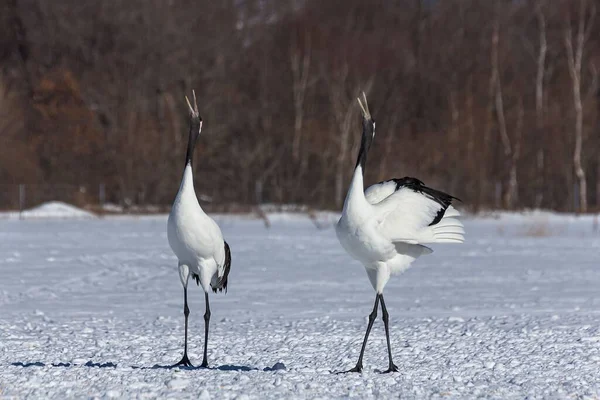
344 110
511 147
512 192
492 104
539 100
452 90
300 61
575 52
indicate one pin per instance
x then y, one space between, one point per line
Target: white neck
355 199
186 189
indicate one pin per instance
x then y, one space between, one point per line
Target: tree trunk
574 58
487 134
539 104
344 109
300 72
513 183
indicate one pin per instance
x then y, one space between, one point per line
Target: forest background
495 101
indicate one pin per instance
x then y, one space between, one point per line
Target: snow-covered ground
93 308
52 209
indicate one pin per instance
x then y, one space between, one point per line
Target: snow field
93 308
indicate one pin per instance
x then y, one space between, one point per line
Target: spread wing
414 213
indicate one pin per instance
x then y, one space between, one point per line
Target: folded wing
220 282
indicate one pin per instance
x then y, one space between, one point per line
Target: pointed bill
364 107
196 103
193 110
189 105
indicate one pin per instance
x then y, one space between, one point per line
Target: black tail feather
222 283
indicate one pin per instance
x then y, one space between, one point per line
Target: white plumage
387 226
196 240
406 215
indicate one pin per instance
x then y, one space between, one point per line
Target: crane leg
372 316
386 321
206 323
185 361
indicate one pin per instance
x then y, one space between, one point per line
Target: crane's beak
364 107
195 118
193 110
368 123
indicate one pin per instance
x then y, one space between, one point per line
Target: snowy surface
52 209
93 308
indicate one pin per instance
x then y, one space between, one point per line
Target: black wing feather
222 283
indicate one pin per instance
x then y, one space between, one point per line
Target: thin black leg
206 323
386 320
372 316
185 361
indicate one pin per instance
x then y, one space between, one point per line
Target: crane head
195 118
368 121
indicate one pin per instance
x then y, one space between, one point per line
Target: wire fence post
21 200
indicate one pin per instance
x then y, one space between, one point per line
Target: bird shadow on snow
277 367
64 365
238 368
91 364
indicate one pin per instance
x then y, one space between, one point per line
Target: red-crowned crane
385 227
196 240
